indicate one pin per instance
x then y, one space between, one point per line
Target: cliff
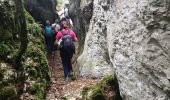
130 39
42 10
24 72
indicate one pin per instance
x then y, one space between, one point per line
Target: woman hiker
65 39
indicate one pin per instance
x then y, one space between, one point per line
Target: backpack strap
68 33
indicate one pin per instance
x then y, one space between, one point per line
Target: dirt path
61 89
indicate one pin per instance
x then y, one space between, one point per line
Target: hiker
55 27
70 23
48 37
67 48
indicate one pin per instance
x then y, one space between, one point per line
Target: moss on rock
8 92
105 89
5 49
33 59
97 94
29 18
35 62
6 35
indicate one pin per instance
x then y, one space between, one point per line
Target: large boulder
130 38
24 71
94 61
42 10
81 11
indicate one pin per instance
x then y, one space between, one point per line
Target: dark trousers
66 57
49 44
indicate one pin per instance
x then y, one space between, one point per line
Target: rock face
131 37
41 10
81 12
24 73
95 61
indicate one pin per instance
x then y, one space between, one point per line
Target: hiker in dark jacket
66 36
48 37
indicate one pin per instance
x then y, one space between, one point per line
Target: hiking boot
70 74
66 80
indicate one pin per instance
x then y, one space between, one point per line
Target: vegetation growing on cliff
22 53
106 89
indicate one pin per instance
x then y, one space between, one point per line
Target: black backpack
67 42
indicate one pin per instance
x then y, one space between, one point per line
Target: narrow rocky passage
61 89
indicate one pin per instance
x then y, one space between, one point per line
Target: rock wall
94 61
81 12
24 73
132 39
42 10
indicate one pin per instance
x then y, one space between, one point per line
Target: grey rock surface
94 61
42 10
81 11
132 39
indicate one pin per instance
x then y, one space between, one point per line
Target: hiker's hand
75 39
55 43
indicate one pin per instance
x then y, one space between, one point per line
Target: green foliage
29 18
97 90
33 60
7 18
84 92
38 90
32 90
97 94
107 80
8 92
35 33
5 35
33 72
65 98
40 61
7 81
1 75
34 30
5 49
100 90
35 63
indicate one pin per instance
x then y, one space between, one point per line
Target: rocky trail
61 89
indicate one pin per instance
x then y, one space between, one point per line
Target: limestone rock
41 10
19 68
132 38
81 11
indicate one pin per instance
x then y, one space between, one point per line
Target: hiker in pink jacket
65 39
